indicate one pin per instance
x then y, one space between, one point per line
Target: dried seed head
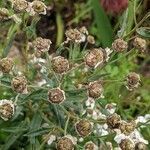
65 144
83 127
90 146
140 44
4 14
39 7
56 96
20 5
127 127
95 89
6 65
113 121
94 58
127 144
119 45
19 84
60 64
133 81
7 109
91 39
75 35
140 146
41 45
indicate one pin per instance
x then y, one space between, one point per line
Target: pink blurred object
114 6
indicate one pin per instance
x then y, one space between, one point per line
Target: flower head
7 109
6 65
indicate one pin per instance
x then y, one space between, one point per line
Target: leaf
144 32
104 28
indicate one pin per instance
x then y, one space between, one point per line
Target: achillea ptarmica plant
56 95
60 64
94 58
19 5
127 144
7 109
90 146
140 44
95 89
66 143
119 45
6 65
19 84
133 81
42 45
4 14
83 127
113 121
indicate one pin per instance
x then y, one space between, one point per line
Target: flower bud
95 89
140 146
127 144
119 45
65 143
90 146
113 121
56 95
91 39
4 14
19 84
133 81
38 7
140 44
19 5
83 127
60 64
7 109
127 127
94 58
6 65
41 45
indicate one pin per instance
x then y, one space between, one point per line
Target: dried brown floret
60 64
127 127
39 7
65 144
6 109
83 127
19 84
90 146
140 146
41 45
133 81
19 5
6 65
127 144
95 89
119 45
56 95
4 14
113 121
94 58
140 44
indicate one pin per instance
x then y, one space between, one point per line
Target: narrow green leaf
104 28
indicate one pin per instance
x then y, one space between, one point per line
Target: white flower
111 108
108 52
102 129
72 138
51 139
118 138
90 103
